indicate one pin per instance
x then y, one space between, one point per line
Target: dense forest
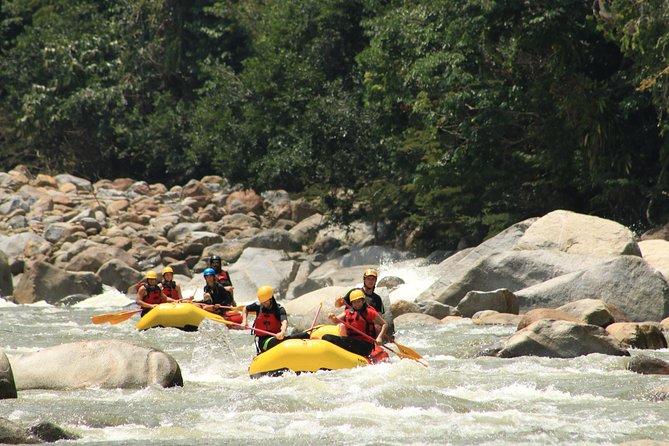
439 121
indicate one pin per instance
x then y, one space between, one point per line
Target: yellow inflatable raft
308 355
185 316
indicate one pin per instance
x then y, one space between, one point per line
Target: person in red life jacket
222 276
270 317
170 288
369 278
364 317
150 294
216 298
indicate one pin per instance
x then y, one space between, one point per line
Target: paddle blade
408 351
114 318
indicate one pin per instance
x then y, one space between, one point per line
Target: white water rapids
458 400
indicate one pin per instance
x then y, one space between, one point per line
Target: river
459 399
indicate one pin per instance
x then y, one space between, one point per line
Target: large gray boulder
513 270
106 364
560 339
257 267
278 239
117 274
45 282
575 233
627 282
93 257
457 265
301 310
501 300
7 385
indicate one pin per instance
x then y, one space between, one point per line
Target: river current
458 399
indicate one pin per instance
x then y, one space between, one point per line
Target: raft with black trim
310 355
184 316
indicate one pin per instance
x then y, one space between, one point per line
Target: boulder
7 385
560 339
495 318
244 201
279 239
437 309
6 281
305 231
229 250
106 364
626 282
416 319
301 284
93 257
401 307
656 253
580 234
647 366
118 275
23 245
12 433
642 335
513 270
357 234
501 300
390 282
49 432
301 310
457 265
46 282
539 314
591 311
257 267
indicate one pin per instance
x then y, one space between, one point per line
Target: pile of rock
64 237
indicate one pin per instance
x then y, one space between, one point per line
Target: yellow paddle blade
408 351
114 318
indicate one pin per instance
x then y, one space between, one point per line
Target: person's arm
245 313
141 294
179 295
282 333
378 320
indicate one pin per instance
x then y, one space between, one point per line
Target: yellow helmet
355 295
167 269
265 293
151 275
370 272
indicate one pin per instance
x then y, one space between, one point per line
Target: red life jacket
153 295
221 276
363 320
268 321
170 289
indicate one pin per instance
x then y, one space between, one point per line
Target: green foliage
443 122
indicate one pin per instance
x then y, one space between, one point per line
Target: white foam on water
110 297
417 278
4 303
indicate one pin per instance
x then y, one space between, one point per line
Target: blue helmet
209 272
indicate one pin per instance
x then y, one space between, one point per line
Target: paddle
373 341
313 322
114 318
403 348
218 318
